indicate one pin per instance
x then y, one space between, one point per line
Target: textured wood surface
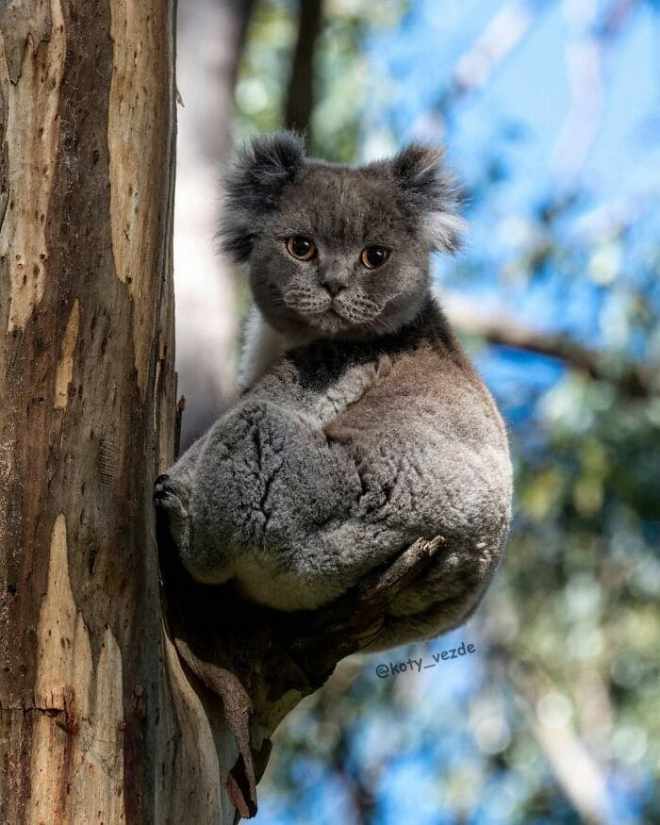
99 723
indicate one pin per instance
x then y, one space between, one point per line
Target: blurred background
550 112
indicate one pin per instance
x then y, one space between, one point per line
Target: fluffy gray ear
429 188
253 184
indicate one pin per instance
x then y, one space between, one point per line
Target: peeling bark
99 722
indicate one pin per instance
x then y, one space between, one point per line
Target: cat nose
333 282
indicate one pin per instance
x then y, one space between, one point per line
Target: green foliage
340 71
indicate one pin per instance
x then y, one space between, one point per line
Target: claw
160 491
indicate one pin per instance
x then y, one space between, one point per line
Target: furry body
358 431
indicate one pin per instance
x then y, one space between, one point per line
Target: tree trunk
99 723
211 35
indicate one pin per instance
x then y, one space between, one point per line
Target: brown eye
301 247
374 256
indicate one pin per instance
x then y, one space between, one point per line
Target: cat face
335 251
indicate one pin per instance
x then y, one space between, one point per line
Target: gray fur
356 432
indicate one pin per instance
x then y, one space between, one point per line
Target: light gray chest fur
262 346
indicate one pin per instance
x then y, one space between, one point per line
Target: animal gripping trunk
98 720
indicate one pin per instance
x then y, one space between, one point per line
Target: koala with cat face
361 425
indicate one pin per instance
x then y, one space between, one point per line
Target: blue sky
517 117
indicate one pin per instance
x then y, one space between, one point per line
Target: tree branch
631 380
578 774
355 620
300 94
501 35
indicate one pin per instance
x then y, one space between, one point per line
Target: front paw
171 495
171 499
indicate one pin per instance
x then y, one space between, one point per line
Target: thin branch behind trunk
300 95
